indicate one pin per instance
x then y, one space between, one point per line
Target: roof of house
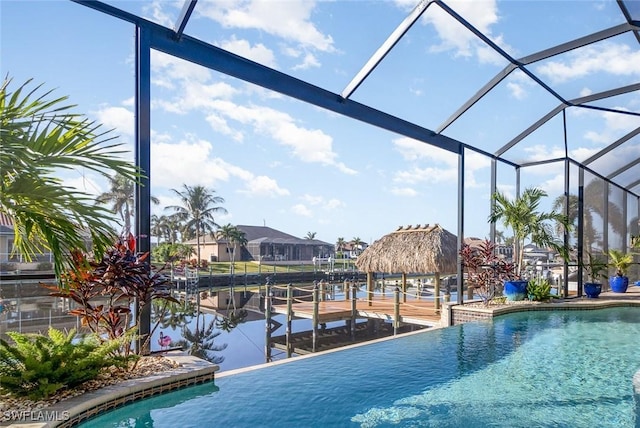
270 235
6 224
264 234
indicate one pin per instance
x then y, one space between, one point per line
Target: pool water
531 369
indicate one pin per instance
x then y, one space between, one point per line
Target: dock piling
354 311
289 318
316 305
267 315
396 310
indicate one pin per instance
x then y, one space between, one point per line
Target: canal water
234 346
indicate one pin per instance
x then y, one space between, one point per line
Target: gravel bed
146 366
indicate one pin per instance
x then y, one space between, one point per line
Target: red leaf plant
485 270
105 289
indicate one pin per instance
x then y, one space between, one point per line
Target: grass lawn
255 267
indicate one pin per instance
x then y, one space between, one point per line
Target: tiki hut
411 249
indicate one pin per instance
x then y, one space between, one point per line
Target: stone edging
464 313
71 412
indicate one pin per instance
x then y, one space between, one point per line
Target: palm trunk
198 243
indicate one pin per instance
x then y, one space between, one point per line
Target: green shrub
539 290
39 365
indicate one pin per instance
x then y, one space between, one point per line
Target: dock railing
314 303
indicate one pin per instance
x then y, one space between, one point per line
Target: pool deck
468 313
73 411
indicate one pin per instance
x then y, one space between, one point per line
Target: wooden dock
397 312
417 312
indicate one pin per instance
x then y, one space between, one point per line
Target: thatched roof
417 249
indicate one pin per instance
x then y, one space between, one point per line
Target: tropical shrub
539 290
595 268
620 261
486 272
170 253
105 289
38 366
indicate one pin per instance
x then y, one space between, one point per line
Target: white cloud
258 53
433 165
426 175
312 200
292 23
414 150
308 61
540 152
307 145
333 204
516 90
482 15
118 118
214 99
219 124
404 191
615 126
321 202
606 57
156 14
263 186
166 70
302 210
190 161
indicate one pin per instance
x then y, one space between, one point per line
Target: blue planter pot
515 290
619 284
592 289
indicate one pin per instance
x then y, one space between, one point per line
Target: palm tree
593 204
310 235
523 217
40 136
171 226
198 207
340 243
157 226
356 243
121 198
232 237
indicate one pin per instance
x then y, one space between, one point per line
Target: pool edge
69 413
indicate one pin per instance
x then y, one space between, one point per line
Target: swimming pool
530 369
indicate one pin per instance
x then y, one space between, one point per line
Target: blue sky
296 168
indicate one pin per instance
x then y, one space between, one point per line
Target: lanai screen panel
617 219
594 213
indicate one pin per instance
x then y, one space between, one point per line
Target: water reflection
225 326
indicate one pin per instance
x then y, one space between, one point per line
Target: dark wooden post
354 311
404 287
267 315
289 318
436 292
315 318
396 310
